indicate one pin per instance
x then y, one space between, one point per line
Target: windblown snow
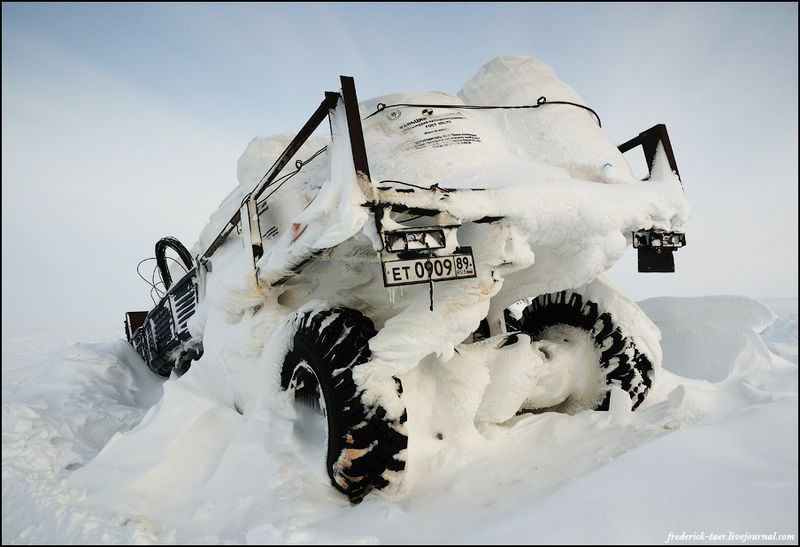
98 449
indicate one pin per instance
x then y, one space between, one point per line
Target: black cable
413 218
542 101
278 187
159 292
314 155
434 186
405 184
179 263
140 273
299 164
152 282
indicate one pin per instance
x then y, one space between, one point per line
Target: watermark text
728 537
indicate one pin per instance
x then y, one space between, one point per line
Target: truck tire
365 449
619 360
162 367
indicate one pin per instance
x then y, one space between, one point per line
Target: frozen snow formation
97 449
741 320
88 457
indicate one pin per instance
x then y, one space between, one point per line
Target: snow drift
88 457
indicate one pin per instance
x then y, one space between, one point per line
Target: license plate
436 268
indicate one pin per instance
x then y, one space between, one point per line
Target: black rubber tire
181 360
623 364
365 448
161 367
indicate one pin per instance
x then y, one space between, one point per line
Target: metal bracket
649 140
655 247
251 233
357 145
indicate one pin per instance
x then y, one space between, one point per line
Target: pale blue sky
123 123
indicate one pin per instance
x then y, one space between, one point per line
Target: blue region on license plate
423 270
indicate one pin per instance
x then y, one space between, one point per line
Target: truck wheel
161 367
365 449
569 319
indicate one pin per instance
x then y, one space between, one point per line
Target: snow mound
58 413
559 135
781 337
712 337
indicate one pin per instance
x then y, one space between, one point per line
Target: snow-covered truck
435 260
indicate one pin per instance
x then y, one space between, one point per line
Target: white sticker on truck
436 127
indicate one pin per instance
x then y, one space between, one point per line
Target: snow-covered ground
98 449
